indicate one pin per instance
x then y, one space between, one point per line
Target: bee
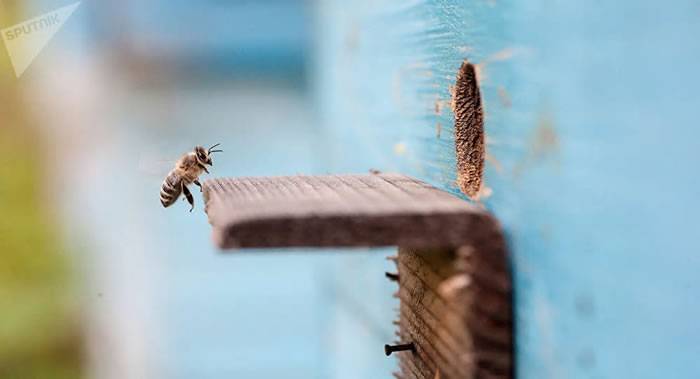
187 171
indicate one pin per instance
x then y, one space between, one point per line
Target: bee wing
154 165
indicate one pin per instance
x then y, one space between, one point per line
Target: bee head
204 155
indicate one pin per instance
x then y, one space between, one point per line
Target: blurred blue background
121 92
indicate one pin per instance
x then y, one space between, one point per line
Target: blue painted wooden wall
592 143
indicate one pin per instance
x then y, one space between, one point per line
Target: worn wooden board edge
451 222
456 308
453 269
376 231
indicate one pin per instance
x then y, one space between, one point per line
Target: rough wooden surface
456 309
469 130
337 211
453 272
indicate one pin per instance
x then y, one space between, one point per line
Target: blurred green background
40 335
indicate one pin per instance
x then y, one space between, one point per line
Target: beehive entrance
469 130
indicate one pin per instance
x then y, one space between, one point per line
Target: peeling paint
495 162
400 148
504 97
438 107
507 53
543 144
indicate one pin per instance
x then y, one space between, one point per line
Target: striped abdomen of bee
186 172
171 189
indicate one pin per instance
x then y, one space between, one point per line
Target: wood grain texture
338 211
456 309
453 272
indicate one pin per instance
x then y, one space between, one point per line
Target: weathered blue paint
590 118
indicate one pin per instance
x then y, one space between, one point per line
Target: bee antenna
216 151
210 149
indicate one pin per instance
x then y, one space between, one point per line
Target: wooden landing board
339 211
452 267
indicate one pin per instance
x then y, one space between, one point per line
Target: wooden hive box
452 267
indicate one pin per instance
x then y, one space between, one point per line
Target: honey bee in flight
187 171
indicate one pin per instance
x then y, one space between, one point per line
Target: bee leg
198 185
188 195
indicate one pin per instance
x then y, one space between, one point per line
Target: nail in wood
388 349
